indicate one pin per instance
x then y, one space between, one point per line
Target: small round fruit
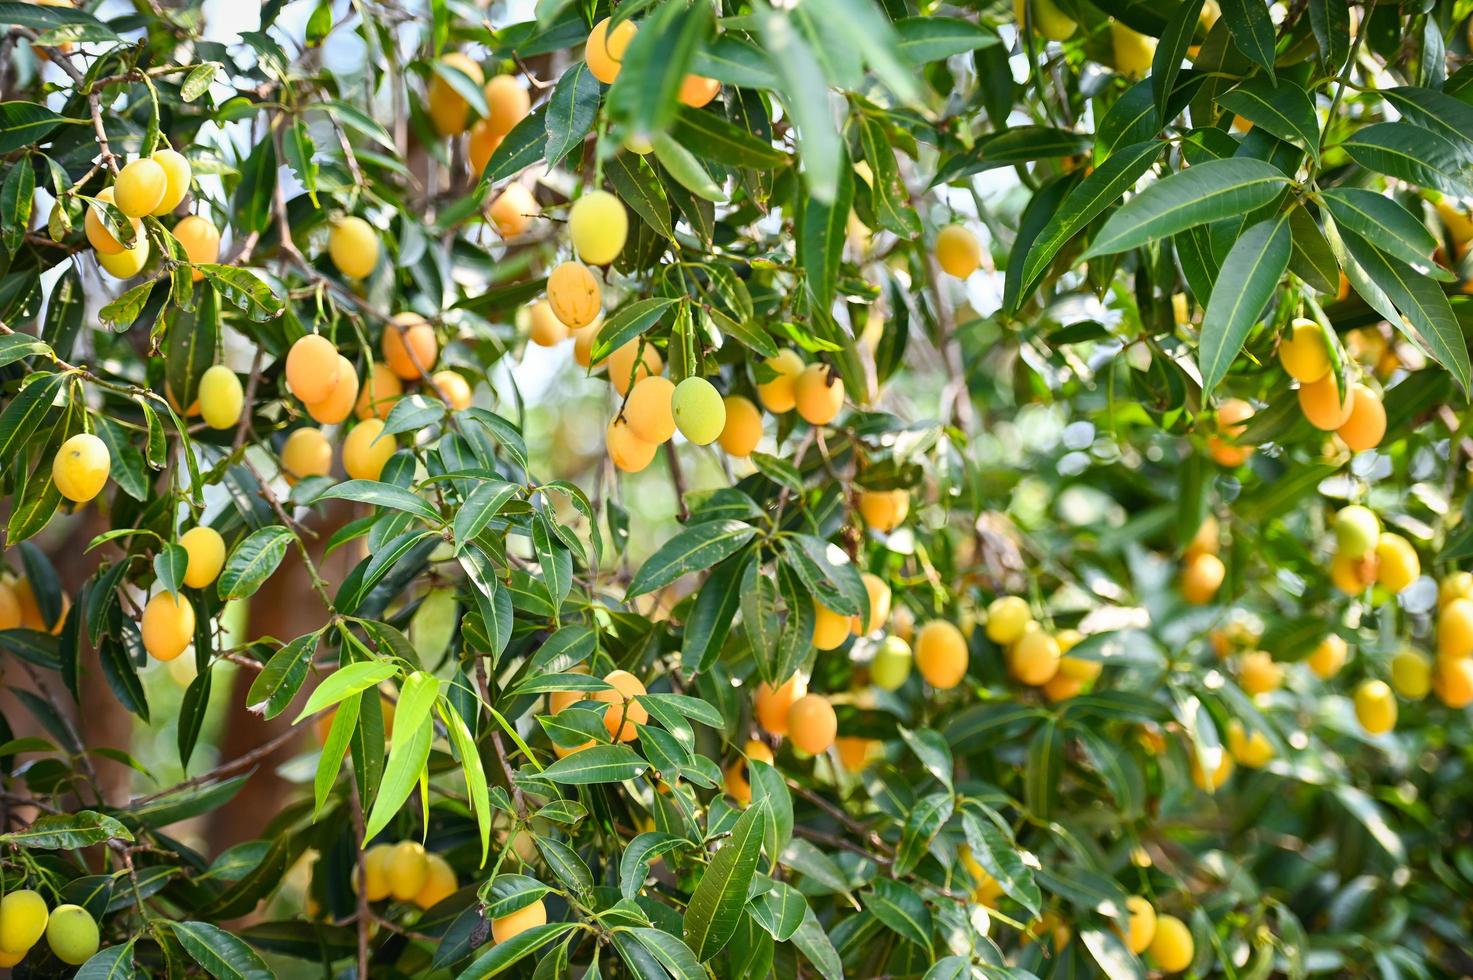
544 328
1328 657
1171 947
629 452
1353 575
408 870
812 724
200 240
1455 630
1365 426
598 226
1253 750
624 712
735 777
353 246
778 395
98 235
1133 50
377 397
140 187
447 108
1411 673
605 49
1034 658
206 550
453 388
771 705
482 143
1455 585
1201 577
80 467
439 883
1207 540
177 174
507 103
1047 19
1258 673
376 872
221 398
129 262
583 339
1062 687
623 371
700 414
697 91
515 923
884 510
10 611
891 665
1007 618
743 429
1320 402
854 752
958 251
649 409
409 346
1305 351
514 210
168 625
1141 927
1397 564
1453 682
830 629
305 453
575 296
1375 707
72 934
941 654
22 920
1232 421
312 368
818 393
879 604
364 452
338 404
1213 783
1357 531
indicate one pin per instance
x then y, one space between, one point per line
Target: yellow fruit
409 346
305 453
9 959
884 510
811 724
625 712
312 368
1353 575
507 104
598 226
129 262
1047 19
168 625
1258 673
855 752
71 932
957 251
1321 405
200 240
1453 682
771 706
1172 947
97 232
818 394
1456 585
1328 657
221 398
575 296
408 869
1397 562
439 883
544 328
1034 658
735 776
377 398
941 654
891 664
623 371
1375 707
376 872
338 404
1223 773
1007 617
140 187
1305 351
22 920
1365 426
10 612
697 91
515 923
1141 928
1411 673
453 388
80 467
1062 687
1252 750
604 51
583 339
778 395
1201 577
1077 668
879 604
743 429
177 174
447 108
206 550
629 452
364 452
1133 50
1357 531
514 210
1455 629
353 247
1232 420
30 610
649 409
829 628
482 143
699 412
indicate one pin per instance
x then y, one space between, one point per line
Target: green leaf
823 231
1252 30
816 945
635 863
627 323
570 112
221 954
483 504
463 85
1170 50
15 346
67 831
733 61
1019 144
804 93
198 81
640 189
503 956
518 150
414 730
1330 22
716 905
901 909
1413 154
382 495
1284 110
279 681
23 419
477 789
109 963
1199 194
926 39
711 137
1380 219
192 709
693 549
26 123
244 290
864 26
682 165
644 95
596 764
999 857
345 682
16 196
1044 769
253 561
1248 281
335 749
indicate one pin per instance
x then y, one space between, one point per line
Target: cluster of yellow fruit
790 711
70 930
604 54
654 409
621 718
1452 680
1359 418
1035 656
168 618
815 390
20 610
1365 555
406 872
151 185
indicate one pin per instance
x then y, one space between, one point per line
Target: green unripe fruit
891 665
220 397
22 920
700 414
72 934
1357 530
